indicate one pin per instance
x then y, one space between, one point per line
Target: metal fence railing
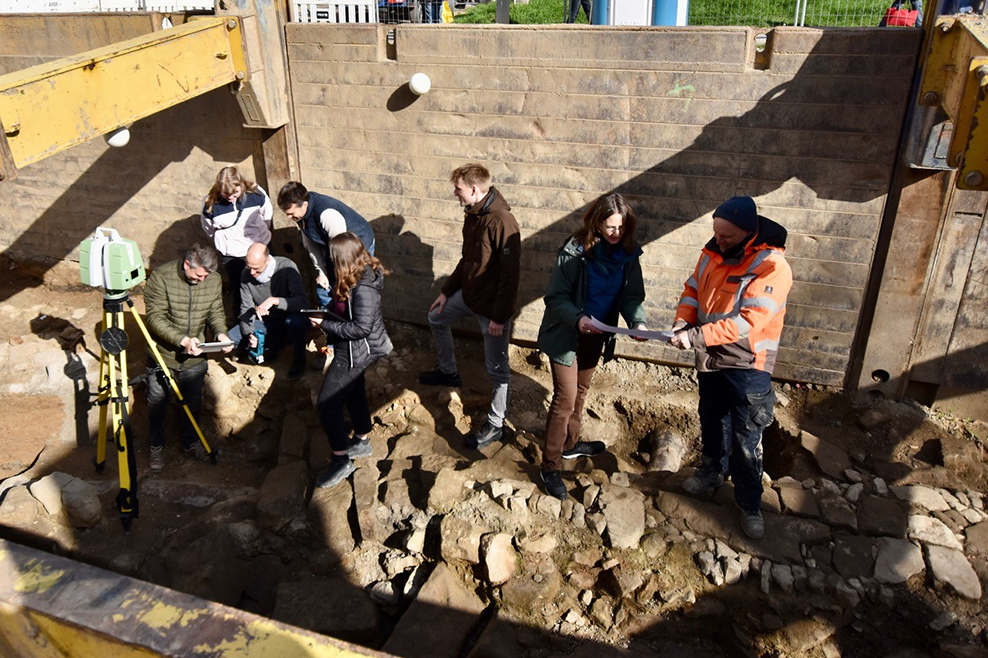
770 13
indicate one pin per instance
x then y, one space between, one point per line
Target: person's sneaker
437 377
297 369
337 471
157 458
197 451
753 524
487 434
584 449
359 448
702 480
554 484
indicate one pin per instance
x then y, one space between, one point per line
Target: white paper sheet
665 336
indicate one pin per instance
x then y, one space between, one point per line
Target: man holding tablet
182 298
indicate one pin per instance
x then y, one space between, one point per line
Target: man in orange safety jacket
731 313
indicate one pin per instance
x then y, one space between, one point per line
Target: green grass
536 12
759 13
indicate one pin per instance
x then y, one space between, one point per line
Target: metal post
503 15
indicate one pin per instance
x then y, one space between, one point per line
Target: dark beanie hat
740 211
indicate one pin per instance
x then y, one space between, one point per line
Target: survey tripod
114 399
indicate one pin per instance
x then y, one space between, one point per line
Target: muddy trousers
342 388
569 391
735 407
190 382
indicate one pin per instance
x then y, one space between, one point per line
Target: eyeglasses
611 230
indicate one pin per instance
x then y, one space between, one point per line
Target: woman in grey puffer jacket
359 338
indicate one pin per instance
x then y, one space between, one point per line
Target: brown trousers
569 390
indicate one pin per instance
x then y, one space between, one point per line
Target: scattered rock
883 516
921 497
782 576
667 448
329 511
832 460
624 512
799 502
898 560
603 612
460 540
48 491
837 511
439 620
932 531
499 558
537 543
874 417
854 492
282 496
951 569
622 583
977 539
447 490
805 634
853 556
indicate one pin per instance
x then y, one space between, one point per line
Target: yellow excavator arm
51 107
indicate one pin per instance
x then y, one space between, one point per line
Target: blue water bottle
257 353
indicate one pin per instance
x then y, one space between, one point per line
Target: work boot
197 451
702 480
359 448
753 524
554 484
157 459
487 434
340 467
437 377
298 367
584 449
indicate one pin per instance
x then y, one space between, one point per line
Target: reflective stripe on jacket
735 306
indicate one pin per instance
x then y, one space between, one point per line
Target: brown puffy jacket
489 269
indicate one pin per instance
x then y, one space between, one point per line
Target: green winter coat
175 309
566 296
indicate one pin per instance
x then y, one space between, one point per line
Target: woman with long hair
597 275
236 214
354 323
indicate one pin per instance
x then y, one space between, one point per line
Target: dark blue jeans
735 407
190 382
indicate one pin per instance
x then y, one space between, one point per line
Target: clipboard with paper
664 336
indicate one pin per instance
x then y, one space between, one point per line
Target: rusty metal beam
956 79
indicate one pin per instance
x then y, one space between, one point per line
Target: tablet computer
218 346
323 313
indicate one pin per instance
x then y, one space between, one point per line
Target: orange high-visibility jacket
735 307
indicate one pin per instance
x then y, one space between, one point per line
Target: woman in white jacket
236 214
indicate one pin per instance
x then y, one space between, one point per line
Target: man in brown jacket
485 285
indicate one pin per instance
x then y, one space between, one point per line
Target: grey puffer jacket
362 338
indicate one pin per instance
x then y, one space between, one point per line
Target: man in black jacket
272 294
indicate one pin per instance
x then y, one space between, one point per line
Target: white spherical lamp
420 84
119 137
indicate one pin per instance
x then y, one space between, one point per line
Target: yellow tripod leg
102 400
171 380
126 459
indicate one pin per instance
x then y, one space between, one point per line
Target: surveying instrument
113 263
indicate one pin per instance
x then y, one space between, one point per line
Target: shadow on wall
794 131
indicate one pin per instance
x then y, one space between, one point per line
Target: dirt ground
49 360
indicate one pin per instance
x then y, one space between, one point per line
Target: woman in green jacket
597 275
